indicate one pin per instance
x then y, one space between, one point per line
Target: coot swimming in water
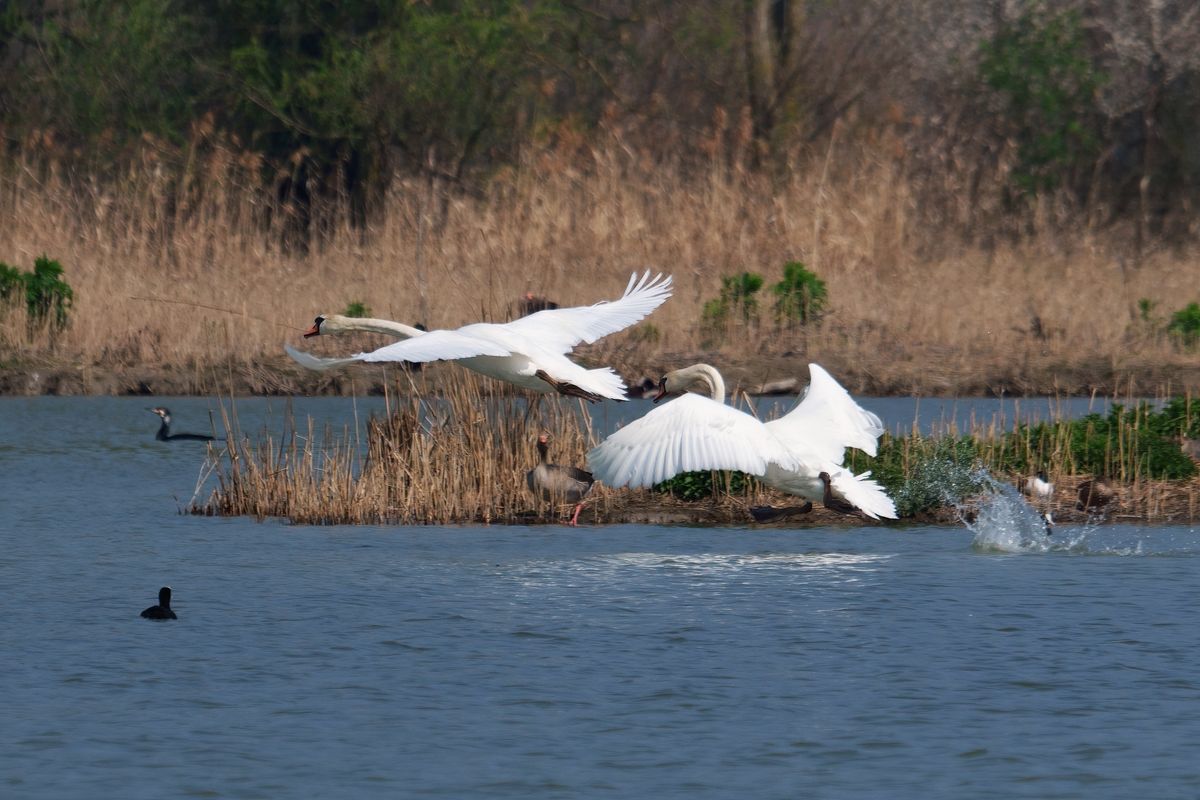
163 609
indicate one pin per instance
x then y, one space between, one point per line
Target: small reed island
464 456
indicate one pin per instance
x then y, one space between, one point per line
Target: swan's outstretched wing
688 433
309 361
437 346
560 329
864 493
827 421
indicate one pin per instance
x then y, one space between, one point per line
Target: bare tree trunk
773 57
760 63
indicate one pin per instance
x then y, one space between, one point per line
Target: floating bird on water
530 352
163 609
702 433
558 484
164 430
1037 486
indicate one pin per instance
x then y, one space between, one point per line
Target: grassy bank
189 285
462 458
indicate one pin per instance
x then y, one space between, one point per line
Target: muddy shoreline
756 374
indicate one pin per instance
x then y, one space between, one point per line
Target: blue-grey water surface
547 662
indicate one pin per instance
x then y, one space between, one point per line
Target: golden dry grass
912 307
461 457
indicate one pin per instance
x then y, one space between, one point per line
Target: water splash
1004 521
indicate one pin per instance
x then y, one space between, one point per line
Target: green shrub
356 309
47 296
12 284
737 300
705 484
800 296
1185 325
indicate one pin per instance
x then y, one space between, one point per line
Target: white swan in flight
790 454
530 352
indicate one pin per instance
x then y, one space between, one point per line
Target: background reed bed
198 280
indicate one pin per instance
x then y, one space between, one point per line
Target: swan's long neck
704 374
370 325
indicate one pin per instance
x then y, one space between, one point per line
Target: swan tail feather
867 495
604 382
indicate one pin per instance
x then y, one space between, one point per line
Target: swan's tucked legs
568 389
835 503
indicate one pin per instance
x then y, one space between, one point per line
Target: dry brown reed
913 306
461 457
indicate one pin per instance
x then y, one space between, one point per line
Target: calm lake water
512 662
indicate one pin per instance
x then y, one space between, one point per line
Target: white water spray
1004 521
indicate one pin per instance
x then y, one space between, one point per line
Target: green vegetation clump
945 473
737 301
47 296
357 310
1185 325
1039 63
800 296
12 283
705 484
1125 443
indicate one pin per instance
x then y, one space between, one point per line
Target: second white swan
790 454
529 352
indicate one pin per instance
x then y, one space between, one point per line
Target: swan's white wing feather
560 329
864 493
437 346
309 361
827 421
689 433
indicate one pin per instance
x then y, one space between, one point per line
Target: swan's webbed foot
770 513
842 507
568 389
